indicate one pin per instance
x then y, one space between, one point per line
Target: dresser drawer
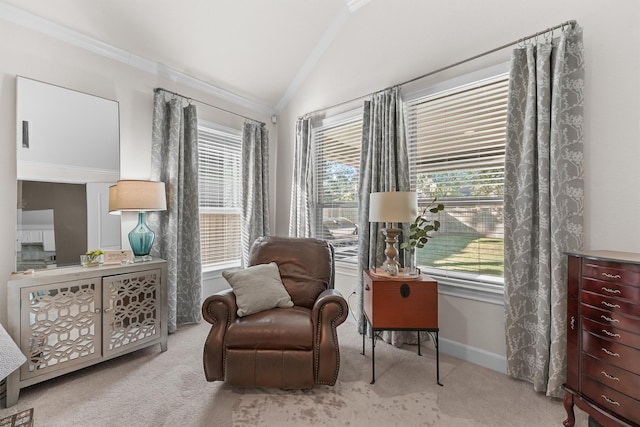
608 318
613 272
611 400
611 376
614 305
613 353
612 334
609 289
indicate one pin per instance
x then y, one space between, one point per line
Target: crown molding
354 5
307 68
35 23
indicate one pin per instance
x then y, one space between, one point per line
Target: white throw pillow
258 288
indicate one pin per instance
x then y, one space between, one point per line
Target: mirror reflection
68 154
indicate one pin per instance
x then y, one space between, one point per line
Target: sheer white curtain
543 204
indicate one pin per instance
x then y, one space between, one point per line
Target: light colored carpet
150 388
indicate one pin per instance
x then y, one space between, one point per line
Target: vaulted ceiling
257 49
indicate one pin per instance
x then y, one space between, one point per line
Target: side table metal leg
373 357
438 361
419 353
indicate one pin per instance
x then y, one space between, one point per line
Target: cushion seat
275 329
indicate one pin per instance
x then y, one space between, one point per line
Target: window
336 155
220 187
456 150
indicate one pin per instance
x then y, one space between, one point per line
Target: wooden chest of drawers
603 337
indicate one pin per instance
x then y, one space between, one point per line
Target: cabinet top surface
608 256
380 277
77 272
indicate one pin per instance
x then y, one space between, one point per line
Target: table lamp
138 196
392 207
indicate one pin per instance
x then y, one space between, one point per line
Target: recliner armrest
220 307
220 310
329 311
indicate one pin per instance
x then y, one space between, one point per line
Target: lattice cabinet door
131 310
61 325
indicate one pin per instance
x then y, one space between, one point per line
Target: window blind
220 191
456 150
336 154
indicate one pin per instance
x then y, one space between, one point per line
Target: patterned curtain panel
255 185
174 160
384 166
300 214
543 204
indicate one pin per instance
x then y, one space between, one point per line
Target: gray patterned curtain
384 166
543 204
174 160
300 213
255 185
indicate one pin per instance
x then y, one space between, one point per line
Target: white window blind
336 155
220 190
456 150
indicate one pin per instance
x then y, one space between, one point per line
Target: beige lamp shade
137 196
393 206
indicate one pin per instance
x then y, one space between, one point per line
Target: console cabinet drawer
612 272
616 320
614 290
612 353
611 400
614 305
612 334
611 376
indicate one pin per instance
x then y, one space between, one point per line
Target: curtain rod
207 104
571 23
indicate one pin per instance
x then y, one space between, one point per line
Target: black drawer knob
405 290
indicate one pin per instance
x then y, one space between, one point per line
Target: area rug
333 407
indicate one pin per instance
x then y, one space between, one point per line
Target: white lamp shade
137 196
393 206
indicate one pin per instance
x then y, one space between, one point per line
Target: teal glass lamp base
141 238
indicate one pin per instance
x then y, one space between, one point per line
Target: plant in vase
91 258
419 235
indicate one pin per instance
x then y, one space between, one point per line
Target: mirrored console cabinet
65 319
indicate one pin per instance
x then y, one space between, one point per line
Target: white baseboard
478 356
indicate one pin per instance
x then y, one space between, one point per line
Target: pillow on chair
258 288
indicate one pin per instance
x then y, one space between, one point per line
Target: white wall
386 43
34 55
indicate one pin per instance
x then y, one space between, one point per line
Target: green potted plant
419 235
91 258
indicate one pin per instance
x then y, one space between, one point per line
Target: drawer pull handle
612 276
609 319
611 334
611 291
611 401
610 353
573 323
610 305
611 377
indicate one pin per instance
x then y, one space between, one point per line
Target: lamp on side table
392 207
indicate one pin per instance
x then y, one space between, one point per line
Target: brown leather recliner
288 348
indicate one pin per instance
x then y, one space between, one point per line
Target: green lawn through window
469 254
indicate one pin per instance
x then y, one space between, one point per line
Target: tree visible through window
336 154
456 150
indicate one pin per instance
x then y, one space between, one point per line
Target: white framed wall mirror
68 154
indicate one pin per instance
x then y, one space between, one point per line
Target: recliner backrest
305 264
